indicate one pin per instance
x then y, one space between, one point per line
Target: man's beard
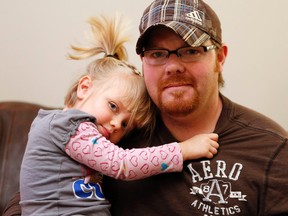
180 105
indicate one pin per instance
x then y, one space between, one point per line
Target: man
183 56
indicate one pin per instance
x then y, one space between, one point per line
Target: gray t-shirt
64 194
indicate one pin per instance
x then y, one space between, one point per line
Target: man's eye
191 52
158 54
113 106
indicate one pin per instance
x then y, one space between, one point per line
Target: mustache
177 81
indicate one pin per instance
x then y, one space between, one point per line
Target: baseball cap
193 20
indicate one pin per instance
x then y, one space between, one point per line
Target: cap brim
189 33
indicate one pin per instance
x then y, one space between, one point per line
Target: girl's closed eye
124 124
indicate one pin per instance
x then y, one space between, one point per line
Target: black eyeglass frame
205 48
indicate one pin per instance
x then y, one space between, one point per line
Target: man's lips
177 86
177 82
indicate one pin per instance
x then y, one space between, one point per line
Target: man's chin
179 103
177 109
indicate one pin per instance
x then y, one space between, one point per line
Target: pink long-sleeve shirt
89 147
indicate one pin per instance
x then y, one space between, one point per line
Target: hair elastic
111 56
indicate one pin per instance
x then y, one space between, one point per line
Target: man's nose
174 64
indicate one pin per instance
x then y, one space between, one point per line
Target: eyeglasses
186 54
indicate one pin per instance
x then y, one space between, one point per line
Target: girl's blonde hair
109 36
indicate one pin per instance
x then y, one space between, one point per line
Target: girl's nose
115 123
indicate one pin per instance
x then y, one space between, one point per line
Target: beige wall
35 37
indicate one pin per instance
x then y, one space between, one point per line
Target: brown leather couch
15 120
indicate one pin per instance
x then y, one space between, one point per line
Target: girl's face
109 107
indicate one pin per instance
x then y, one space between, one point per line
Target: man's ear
85 86
221 55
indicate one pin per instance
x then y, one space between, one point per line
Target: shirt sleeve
276 199
89 147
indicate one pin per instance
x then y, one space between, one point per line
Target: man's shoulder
249 119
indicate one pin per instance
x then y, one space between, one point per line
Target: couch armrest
13 208
15 121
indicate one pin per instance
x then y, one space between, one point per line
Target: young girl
68 150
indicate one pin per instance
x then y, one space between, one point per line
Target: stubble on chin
179 105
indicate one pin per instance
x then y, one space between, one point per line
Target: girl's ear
85 86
